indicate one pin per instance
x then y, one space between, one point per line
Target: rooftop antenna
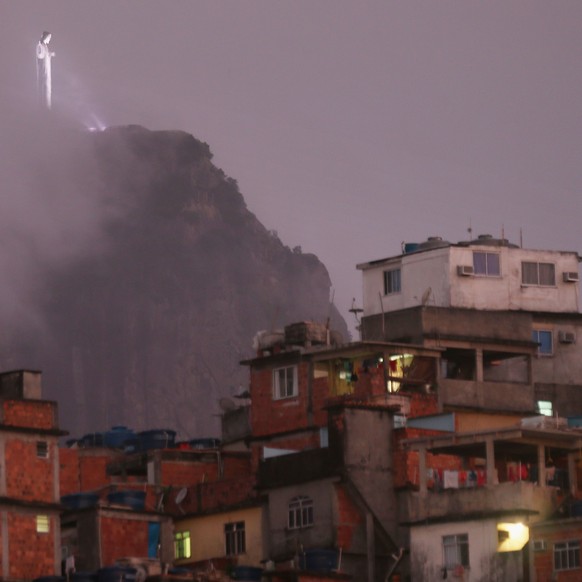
470 230
43 70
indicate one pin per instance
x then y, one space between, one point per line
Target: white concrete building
486 273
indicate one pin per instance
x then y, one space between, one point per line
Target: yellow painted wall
207 535
474 421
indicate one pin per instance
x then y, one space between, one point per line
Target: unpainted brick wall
28 476
29 413
122 537
544 560
349 518
31 553
69 479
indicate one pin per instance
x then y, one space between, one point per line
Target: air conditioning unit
567 337
570 277
539 545
465 270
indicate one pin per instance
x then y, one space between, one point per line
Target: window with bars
234 538
42 524
182 546
300 512
42 450
567 555
456 551
541 274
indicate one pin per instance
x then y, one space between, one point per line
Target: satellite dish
181 495
226 404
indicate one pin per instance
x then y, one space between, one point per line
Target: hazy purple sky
350 126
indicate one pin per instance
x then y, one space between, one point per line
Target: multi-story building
29 479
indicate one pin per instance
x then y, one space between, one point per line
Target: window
543 274
42 449
300 512
392 283
486 264
545 407
285 382
456 551
182 548
566 555
234 537
42 524
544 339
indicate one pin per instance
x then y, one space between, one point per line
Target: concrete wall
208 541
284 541
506 396
414 506
485 563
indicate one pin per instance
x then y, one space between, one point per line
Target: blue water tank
319 560
80 500
117 437
410 247
156 439
575 421
247 573
576 509
128 498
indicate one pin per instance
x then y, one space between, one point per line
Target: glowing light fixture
512 537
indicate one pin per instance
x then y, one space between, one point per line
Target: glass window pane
493 264
529 273
547 274
480 263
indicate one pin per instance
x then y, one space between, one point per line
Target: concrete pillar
479 364
371 547
541 465
422 477
490 458
572 477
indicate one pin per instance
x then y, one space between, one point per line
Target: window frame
537 282
392 282
42 449
182 545
300 512
460 544
43 524
570 549
535 336
277 388
235 538
487 272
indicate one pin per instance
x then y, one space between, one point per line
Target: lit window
42 524
182 548
285 382
545 407
566 555
456 551
543 274
300 512
42 451
392 281
544 339
234 537
486 264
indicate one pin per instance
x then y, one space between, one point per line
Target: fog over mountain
135 276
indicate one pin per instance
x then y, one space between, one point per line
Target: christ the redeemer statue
43 69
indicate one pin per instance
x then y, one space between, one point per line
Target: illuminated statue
43 69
